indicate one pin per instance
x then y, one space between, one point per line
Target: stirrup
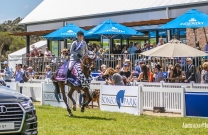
66 82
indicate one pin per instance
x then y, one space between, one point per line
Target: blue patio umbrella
191 19
111 29
67 32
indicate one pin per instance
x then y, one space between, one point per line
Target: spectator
25 75
191 71
161 42
117 50
143 76
177 71
127 61
30 72
63 55
7 72
144 47
19 75
125 72
90 47
97 49
100 56
158 73
125 55
94 46
206 51
170 71
131 48
40 54
138 48
114 77
54 60
48 72
124 49
148 47
47 53
150 74
34 51
106 51
204 73
102 71
206 48
197 45
118 68
137 69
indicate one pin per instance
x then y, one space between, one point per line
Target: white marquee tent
16 57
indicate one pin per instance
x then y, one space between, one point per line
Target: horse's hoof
70 115
74 107
82 109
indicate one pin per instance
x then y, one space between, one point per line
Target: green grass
55 121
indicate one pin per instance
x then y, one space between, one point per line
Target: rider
77 51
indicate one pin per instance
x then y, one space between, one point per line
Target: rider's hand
78 55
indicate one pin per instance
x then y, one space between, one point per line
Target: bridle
88 65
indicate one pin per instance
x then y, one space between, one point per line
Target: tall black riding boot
67 76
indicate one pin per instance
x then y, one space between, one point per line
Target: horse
86 64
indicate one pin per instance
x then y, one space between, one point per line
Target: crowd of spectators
144 73
23 73
141 72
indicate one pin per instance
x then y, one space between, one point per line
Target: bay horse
86 64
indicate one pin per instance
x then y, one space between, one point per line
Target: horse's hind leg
70 96
62 86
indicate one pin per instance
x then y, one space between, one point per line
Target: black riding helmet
80 33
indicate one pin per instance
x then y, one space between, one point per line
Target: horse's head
89 60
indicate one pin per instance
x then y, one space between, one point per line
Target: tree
8 43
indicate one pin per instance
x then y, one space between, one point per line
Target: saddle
76 78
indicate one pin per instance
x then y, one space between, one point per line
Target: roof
23 50
129 24
51 10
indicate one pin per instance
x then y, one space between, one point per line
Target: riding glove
78 55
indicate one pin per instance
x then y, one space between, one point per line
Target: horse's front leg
72 99
87 99
62 86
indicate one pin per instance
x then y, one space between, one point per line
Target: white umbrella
174 48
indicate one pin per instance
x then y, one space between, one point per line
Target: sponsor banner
119 99
49 97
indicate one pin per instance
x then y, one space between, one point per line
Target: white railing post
140 100
17 87
192 84
42 94
134 82
161 95
183 102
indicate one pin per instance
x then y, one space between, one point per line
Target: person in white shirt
47 53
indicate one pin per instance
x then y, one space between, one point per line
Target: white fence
168 95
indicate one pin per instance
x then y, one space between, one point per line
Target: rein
87 66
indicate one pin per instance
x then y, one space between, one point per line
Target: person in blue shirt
19 75
137 69
158 73
7 72
48 72
131 48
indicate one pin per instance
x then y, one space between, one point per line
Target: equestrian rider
77 51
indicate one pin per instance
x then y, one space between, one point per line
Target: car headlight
27 104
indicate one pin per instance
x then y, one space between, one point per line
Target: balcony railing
111 60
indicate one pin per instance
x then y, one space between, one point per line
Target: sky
11 9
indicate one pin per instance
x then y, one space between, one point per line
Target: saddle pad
61 72
77 78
